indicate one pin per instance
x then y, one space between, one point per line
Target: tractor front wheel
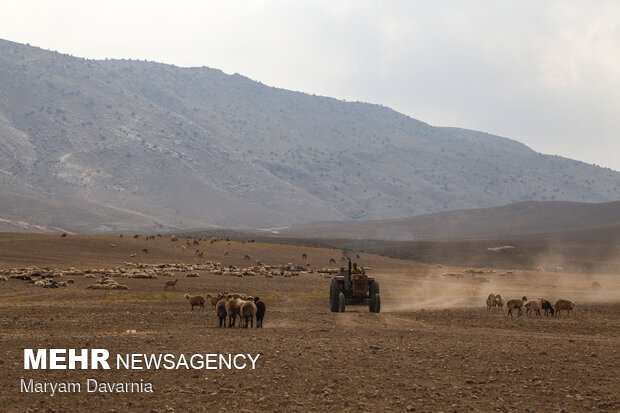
341 302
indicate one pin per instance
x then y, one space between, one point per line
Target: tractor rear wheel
374 293
334 291
341 302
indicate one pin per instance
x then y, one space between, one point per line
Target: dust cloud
458 287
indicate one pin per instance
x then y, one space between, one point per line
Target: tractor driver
356 269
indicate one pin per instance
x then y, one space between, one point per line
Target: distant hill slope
523 218
94 146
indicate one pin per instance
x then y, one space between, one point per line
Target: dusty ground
441 351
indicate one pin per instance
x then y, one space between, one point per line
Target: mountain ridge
520 219
131 145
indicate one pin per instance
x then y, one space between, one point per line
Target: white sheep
214 298
232 310
491 302
499 301
247 311
533 306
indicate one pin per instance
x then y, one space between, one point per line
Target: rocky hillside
128 145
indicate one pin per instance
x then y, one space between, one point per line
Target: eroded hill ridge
93 146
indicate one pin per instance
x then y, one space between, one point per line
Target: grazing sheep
515 305
220 309
63 236
533 306
247 311
70 281
247 257
499 301
547 306
491 302
332 261
260 312
192 274
112 245
122 287
540 268
3 278
225 252
304 256
596 284
559 269
170 284
50 284
145 250
564 305
214 298
232 310
173 238
196 301
132 255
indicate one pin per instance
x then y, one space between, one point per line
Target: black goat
260 311
546 305
220 308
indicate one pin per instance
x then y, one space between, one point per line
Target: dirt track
455 358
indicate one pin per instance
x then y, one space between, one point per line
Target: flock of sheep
285 270
39 277
229 306
531 307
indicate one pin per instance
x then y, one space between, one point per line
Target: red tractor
354 288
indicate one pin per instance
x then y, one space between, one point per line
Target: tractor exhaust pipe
347 278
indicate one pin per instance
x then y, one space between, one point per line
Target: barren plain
433 347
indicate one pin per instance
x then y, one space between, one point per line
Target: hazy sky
546 73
